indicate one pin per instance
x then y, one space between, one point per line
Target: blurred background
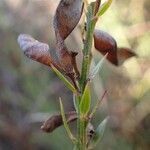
29 91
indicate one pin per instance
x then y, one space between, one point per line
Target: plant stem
82 121
78 123
83 125
87 54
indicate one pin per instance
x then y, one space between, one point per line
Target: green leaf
76 102
64 79
85 101
104 7
65 122
99 133
97 68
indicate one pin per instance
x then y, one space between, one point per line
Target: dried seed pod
34 49
67 62
56 120
66 18
64 58
105 43
124 54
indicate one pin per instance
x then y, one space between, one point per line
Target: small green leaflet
65 80
65 122
85 101
75 101
99 133
104 7
97 68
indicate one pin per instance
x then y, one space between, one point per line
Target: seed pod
64 58
35 50
105 43
66 18
56 120
124 54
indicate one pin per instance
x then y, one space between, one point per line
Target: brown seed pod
64 58
105 43
56 120
124 54
66 18
35 50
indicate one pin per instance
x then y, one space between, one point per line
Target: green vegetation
30 92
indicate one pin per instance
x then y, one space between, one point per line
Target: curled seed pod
124 54
66 18
56 120
64 58
34 49
105 43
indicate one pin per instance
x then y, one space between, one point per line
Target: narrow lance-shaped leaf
97 68
85 101
104 7
65 122
98 133
75 102
65 80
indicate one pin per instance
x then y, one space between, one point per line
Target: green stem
81 126
78 123
82 122
87 54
